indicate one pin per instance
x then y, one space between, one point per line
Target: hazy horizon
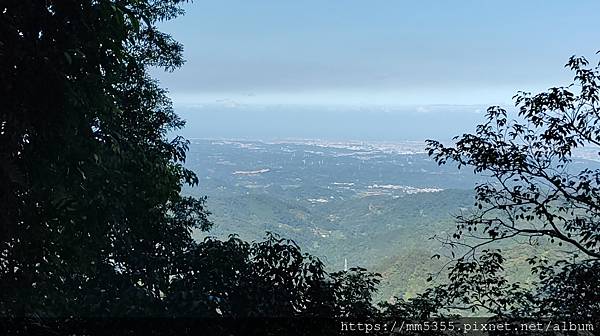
383 71
375 53
381 123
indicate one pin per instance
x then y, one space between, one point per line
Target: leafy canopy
91 214
93 223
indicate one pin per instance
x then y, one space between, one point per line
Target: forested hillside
381 206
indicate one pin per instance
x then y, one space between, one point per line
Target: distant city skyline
383 52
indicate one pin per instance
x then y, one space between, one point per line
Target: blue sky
376 52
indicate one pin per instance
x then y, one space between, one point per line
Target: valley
371 205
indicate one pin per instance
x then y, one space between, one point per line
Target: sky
376 52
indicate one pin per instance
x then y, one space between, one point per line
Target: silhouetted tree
92 220
234 278
91 211
269 287
534 191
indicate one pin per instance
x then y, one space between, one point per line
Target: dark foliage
91 212
93 223
271 278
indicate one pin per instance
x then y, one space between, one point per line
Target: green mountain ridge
371 208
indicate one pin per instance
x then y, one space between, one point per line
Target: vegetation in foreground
94 224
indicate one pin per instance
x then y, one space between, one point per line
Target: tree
535 190
92 220
268 287
237 279
91 214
